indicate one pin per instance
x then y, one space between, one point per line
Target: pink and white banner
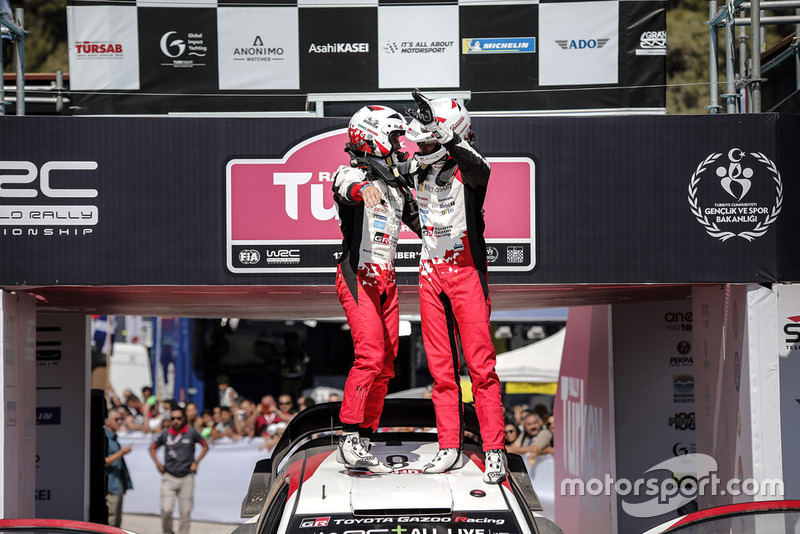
281 216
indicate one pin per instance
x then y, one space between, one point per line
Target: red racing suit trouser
454 294
373 316
365 285
453 306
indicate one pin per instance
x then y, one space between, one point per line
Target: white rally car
303 489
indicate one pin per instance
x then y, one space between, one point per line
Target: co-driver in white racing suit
450 178
372 201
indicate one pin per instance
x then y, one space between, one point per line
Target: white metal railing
316 101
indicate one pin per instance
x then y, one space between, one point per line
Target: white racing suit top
450 195
370 234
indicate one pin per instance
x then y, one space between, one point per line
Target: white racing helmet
371 127
449 114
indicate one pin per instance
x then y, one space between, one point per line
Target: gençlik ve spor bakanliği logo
742 197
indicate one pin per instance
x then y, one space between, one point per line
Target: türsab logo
98 49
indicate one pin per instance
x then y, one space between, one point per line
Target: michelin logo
499 45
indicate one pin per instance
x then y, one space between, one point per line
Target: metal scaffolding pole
797 56
742 69
712 59
755 57
19 57
731 96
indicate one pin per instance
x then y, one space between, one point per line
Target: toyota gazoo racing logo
315 522
741 195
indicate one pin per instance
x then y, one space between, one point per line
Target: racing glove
424 114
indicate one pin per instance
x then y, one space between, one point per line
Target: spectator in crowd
512 433
159 420
112 399
148 398
272 436
285 408
267 414
136 419
216 410
542 410
178 469
206 424
227 395
305 402
227 426
551 426
520 411
334 397
126 395
191 414
118 480
247 417
535 438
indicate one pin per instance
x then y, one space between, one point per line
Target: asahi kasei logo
741 199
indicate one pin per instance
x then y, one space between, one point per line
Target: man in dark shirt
178 469
118 479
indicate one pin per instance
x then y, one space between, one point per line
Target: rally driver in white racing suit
450 179
372 199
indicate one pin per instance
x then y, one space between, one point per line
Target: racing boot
495 467
365 442
445 460
356 456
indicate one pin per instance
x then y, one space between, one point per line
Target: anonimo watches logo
743 200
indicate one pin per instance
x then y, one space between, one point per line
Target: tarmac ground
151 524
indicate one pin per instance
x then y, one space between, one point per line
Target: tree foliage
688 52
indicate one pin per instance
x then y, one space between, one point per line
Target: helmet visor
416 132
